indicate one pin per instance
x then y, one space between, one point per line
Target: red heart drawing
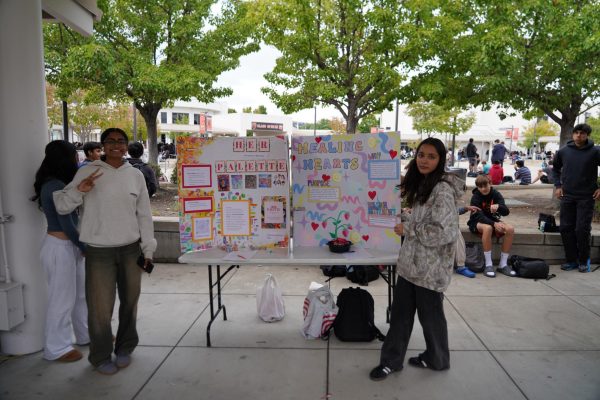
347 216
345 232
326 177
393 154
318 139
314 225
372 194
365 237
324 224
293 157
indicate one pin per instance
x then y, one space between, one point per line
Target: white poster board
345 186
233 193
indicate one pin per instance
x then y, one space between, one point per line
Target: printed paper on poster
324 194
196 176
235 215
384 169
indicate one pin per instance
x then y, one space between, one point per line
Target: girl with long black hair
62 257
425 263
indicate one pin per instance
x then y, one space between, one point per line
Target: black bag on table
532 268
355 320
333 271
362 274
549 223
474 260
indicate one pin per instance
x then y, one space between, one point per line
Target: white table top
299 256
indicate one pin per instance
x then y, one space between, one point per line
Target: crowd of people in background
493 165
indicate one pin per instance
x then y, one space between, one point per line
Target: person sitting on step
486 223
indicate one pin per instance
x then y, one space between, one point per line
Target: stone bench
527 242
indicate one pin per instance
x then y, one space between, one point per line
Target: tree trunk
566 129
351 124
149 112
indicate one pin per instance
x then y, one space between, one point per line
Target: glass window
196 119
181 118
163 117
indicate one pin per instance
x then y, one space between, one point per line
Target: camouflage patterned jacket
430 232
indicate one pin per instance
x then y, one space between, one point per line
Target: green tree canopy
153 52
535 55
260 110
365 124
347 54
537 129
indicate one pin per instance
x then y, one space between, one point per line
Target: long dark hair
415 186
60 162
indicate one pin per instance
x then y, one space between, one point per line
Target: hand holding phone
148 267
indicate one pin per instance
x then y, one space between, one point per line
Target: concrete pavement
510 338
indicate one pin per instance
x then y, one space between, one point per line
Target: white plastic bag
319 312
269 300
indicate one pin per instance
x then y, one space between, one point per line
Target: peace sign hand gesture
88 183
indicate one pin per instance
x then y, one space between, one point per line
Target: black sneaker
569 266
585 267
380 372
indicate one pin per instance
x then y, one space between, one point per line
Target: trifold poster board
345 186
233 193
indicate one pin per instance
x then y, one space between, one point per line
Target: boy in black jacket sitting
486 223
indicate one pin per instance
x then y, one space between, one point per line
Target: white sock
503 260
488 258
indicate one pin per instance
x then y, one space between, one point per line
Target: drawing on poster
250 181
273 212
279 180
264 180
223 181
202 228
237 181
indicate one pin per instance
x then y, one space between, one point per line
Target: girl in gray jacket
425 263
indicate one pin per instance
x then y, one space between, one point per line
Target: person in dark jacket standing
487 223
498 152
136 150
575 179
471 151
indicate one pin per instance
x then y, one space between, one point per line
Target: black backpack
532 268
474 258
547 223
333 271
362 274
150 180
355 320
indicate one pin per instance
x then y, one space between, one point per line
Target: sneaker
464 271
506 270
489 271
107 368
585 267
569 266
380 372
123 360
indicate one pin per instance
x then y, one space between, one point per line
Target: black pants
575 228
429 306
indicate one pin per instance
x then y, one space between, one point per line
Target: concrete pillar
23 136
